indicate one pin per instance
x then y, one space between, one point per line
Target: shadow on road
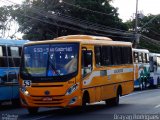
63 113
9 107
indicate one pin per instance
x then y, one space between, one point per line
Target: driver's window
86 62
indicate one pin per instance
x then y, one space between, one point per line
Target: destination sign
54 49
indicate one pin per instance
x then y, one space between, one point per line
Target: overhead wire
71 22
148 44
86 9
84 21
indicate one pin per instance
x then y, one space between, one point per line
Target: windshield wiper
51 65
53 68
25 72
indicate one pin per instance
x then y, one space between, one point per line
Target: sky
126 8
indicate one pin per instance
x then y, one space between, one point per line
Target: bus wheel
85 100
108 102
114 101
16 102
32 110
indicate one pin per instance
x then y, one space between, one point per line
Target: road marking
135 93
132 94
41 117
157 106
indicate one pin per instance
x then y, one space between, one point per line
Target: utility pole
136 26
136 22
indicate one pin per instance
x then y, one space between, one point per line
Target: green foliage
152 29
46 19
148 26
4 15
150 46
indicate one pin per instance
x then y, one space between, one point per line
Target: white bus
154 69
141 68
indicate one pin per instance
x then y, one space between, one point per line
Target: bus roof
140 50
83 39
154 54
12 42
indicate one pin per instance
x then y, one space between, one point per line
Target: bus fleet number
27 83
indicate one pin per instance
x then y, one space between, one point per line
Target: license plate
47 99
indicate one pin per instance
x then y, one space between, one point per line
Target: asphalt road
140 105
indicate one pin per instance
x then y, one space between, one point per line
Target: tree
149 28
4 16
46 19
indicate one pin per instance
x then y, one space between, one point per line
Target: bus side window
127 55
119 55
20 51
14 61
135 57
158 61
147 57
140 58
114 54
144 58
106 55
151 64
3 64
14 56
97 51
86 62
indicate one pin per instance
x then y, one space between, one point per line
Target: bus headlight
73 100
24 91
72 89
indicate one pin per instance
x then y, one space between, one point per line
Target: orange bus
75 70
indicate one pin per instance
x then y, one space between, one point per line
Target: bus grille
55 100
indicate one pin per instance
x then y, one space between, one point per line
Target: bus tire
16 102
109 102
85 100
32 110
114 101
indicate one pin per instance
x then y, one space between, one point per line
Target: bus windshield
49 60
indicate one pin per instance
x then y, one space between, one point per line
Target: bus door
5 85
87 66
14 63
86 62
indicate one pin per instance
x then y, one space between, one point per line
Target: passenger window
140 57
97 51
14 56
1 52
158 61
106 55
14 51
135 57
144 58
114 54
86 62
151 61
129 55
147 57
3 62
20 50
